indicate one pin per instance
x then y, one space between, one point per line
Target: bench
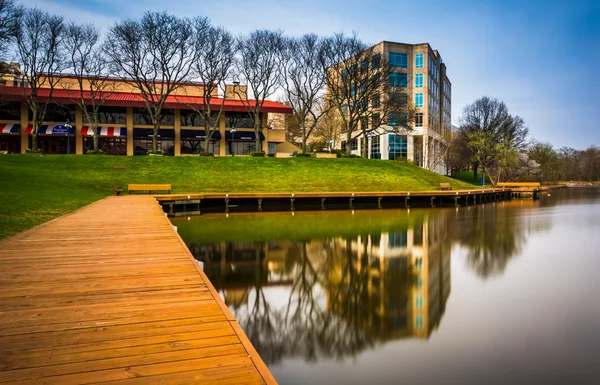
148 187
445 186
117 190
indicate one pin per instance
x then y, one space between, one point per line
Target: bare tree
39 48
364 89
213 66
259 65
8 14
155 55
89 64
492 137
304 82
329 127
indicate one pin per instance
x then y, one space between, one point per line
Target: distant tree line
158 53
492 141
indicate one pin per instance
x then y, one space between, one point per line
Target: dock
110 293
196 204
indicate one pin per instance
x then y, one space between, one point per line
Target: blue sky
542 58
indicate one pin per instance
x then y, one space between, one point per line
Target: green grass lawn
37 188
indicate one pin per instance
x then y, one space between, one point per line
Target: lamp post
68 126
233 139
235 84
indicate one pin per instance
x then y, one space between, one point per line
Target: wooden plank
111 293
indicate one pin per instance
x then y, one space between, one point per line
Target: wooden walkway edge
110 293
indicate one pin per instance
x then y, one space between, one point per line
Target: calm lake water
498 293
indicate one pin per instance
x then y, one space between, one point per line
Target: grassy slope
36 188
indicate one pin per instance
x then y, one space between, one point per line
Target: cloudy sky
540 57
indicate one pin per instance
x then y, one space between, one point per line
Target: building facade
421 72
125 127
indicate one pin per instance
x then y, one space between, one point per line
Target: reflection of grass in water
301 226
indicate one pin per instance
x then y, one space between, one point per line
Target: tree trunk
364 147
348 143
34 144
155 135
34 132
475 166
207 142
95 140
257 124
304 138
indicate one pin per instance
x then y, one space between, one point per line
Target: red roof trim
129 99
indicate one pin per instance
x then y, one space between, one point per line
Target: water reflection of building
234 268
394 284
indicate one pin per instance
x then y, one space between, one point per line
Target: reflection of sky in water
523 305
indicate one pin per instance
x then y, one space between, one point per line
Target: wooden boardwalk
111 294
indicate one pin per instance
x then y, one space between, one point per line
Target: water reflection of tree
304 327
493 235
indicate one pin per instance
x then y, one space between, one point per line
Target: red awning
130 99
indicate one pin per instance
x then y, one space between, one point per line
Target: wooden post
352 201
322 203
406 202
292 203
226 203
379 202
259 204
432 202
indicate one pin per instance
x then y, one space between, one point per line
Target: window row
433 88
433 69
118 116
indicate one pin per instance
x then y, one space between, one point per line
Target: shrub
305 154
37 151
157 152
339 153
271 155
206 154
401 159
93 152
258 154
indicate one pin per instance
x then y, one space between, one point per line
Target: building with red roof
125 127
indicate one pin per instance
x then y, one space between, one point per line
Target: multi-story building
125 125
421 72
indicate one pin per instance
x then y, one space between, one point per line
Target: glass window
343 145
398 59
398 146
419 119
376 61
190 118
397 239
376 101
375 147
419 302
419 60
109 115
419 100
239 119
364 65
376 120
141 117
419 322
354 144
418 80
397 119
398 79
10 111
